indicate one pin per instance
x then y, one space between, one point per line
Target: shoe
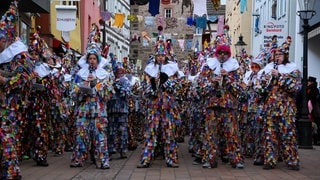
112 152
239 165
68 149
75 165
267 167
196 161
18 177
258 163
123 155
25 157
105 167
206 165
294 167
43 163
173 165
143 165
58 153
225 159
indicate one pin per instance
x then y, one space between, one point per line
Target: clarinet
272 80
159 82
221 81
250 81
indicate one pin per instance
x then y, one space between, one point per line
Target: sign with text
271 28
66 17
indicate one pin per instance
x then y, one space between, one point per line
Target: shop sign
273 27
66 17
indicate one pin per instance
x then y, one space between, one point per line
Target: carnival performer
135 116
39 100
118 110
94 87
251 125
280 80
196 122
162 112
15 79
56 105
220 81
69 69
181 91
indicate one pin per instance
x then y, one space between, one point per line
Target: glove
163 78
153 84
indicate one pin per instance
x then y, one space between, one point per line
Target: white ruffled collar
229 65
10 52
43 70
103 61
152 69
249 76
283 69
99 73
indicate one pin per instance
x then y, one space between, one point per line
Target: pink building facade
89 13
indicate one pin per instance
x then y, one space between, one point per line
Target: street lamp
304 124
239 46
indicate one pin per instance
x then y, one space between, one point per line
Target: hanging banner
66 17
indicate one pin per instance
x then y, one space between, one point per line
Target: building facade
89 14
313 44
238 18
279 17
28 11
175 21
114 35
60 40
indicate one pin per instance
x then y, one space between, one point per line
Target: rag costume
162 113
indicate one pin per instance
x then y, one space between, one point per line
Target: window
72 3
168 13
76 3
274 9
106 5
269 9
281 8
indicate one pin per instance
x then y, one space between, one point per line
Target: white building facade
279 17
117 37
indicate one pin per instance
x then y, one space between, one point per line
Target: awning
32 6
314 33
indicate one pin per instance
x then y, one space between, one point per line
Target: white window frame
168 12
281 8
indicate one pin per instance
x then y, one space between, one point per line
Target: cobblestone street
122 169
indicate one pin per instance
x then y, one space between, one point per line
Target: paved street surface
123 169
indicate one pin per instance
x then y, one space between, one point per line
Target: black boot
43 163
